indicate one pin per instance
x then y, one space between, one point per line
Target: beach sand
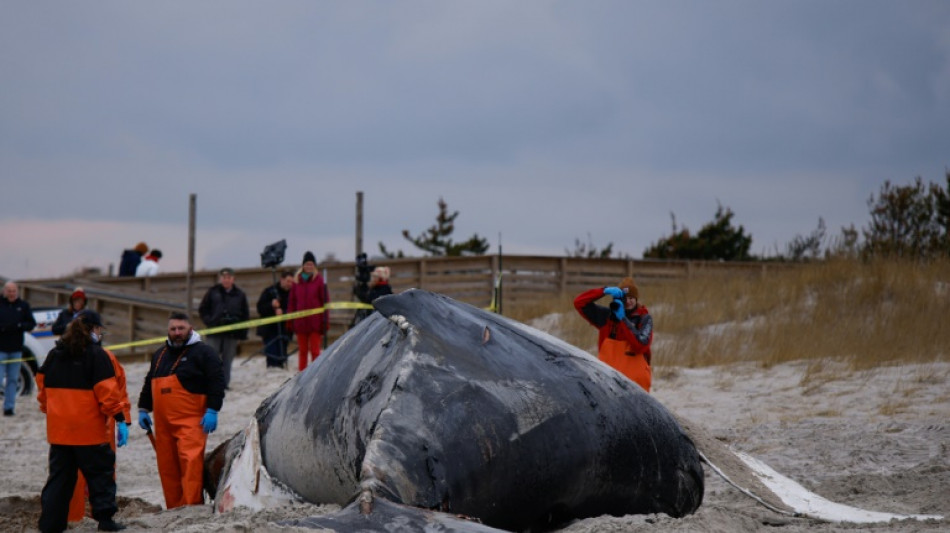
878 440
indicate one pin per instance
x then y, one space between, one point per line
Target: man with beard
184 390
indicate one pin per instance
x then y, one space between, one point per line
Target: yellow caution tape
248 324
21 360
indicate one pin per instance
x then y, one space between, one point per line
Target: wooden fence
137 308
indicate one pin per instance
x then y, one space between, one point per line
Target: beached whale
432 412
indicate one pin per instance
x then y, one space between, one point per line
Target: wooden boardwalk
134 309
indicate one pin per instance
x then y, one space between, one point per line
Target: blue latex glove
614 292
209 422
617 307
121 434
145 421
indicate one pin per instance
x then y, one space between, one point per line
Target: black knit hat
308 256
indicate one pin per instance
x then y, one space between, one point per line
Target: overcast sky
541 122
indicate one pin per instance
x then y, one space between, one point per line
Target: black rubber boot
110 525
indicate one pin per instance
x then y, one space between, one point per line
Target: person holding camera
309 292
377 285
273 302
225 304
625 329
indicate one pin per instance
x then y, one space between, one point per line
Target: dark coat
220 308
62 321
367 294
130 261
265 309
16 317
200 372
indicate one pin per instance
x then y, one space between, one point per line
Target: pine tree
437 240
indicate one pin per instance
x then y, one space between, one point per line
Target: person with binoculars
625 329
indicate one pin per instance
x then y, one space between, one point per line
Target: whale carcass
434 405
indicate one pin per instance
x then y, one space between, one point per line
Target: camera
363 268
273 254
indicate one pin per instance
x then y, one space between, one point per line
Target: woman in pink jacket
309 292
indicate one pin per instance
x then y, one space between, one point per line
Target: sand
878 440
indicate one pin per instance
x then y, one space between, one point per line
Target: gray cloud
540 120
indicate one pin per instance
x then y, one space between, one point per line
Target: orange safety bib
616 354
179 439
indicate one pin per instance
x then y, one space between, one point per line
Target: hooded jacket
79 393
199 370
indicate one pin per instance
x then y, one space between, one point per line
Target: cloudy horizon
541 123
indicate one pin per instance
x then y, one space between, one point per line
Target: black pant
275 348
97 463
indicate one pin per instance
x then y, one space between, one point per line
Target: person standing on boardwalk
225 304
149 265
625 329
131 259
309 292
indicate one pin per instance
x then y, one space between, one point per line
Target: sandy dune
878 440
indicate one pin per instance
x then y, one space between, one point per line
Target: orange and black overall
80 395
179 439
624 345
77 505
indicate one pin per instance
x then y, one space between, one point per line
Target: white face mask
96 339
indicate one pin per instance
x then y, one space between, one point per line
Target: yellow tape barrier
21 360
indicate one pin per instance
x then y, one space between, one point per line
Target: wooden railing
137 308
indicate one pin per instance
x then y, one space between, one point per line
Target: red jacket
637 330
309 294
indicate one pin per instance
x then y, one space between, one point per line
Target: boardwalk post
190 274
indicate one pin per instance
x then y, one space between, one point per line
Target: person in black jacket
225 304
367 292
16 317
79 391
131 259
184 390
273 302
77 302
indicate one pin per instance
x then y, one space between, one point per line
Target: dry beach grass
835 374
868 315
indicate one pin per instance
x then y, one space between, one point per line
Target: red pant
309 346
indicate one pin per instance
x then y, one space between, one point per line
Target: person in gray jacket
225 304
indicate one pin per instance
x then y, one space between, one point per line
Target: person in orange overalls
77 505
184 389
625 329
79 392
